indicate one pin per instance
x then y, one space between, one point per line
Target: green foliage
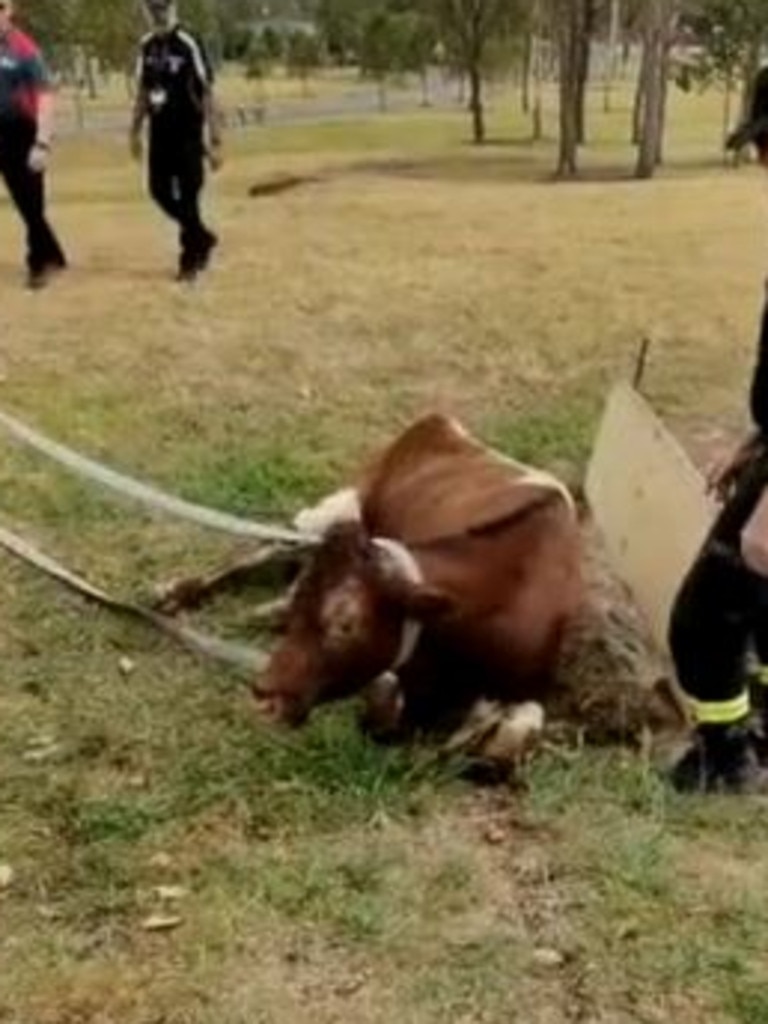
274 43
381 45
726 31
303 54
340 23
258 59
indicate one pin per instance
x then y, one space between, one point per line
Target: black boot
722 759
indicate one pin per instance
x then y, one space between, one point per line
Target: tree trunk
476 103
581 89
657 42
585 52
626 54
425 97
570 39
613 46
536 70
751 67
525 82
638 110
537 120
77 98
90 77
664 93
727 112
382 90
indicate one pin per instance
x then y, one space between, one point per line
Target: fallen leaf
494 834
350 986
161 923
49 913
163 861
548 958
126 666
38 755
170 893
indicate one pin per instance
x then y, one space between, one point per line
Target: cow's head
355 613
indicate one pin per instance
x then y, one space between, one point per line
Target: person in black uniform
175 94
719 620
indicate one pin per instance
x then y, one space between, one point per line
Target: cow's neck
407 566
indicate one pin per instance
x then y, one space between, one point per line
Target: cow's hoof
497 740
382 712
517 735
172 597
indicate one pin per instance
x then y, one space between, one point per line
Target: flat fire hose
143 493
248 660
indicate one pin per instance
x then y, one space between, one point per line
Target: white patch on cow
458 428
340 507
539 478
406 566
517 735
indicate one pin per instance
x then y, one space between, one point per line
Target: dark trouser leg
176 180
713 623
27 190
195 237
759 675
163 184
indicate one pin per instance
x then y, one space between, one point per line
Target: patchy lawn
316 877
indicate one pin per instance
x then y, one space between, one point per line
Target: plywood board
649 503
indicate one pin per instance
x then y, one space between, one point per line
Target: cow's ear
424 603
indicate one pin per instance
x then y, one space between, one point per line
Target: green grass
328 878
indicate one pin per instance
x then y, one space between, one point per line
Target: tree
571 27
382 49
340 23
303 56
420 42
614 28
729 35
660 19
468 28
258 63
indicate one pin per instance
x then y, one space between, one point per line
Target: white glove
38 158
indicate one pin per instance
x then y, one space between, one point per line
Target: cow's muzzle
278 708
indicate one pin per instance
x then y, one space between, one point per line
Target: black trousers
176 178
27 190
721 609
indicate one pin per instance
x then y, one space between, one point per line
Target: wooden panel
649 503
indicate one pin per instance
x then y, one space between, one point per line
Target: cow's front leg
178 595
381 716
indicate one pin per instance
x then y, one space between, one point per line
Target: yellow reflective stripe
722 712
762 675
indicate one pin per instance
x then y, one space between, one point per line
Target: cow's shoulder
429 438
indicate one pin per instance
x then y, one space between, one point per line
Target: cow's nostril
268 706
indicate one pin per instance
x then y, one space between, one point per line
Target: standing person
26 130
175 94
720 615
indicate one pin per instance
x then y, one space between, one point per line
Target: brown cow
449 573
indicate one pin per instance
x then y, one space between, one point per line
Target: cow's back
435 482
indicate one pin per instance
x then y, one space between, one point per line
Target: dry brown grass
326 883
